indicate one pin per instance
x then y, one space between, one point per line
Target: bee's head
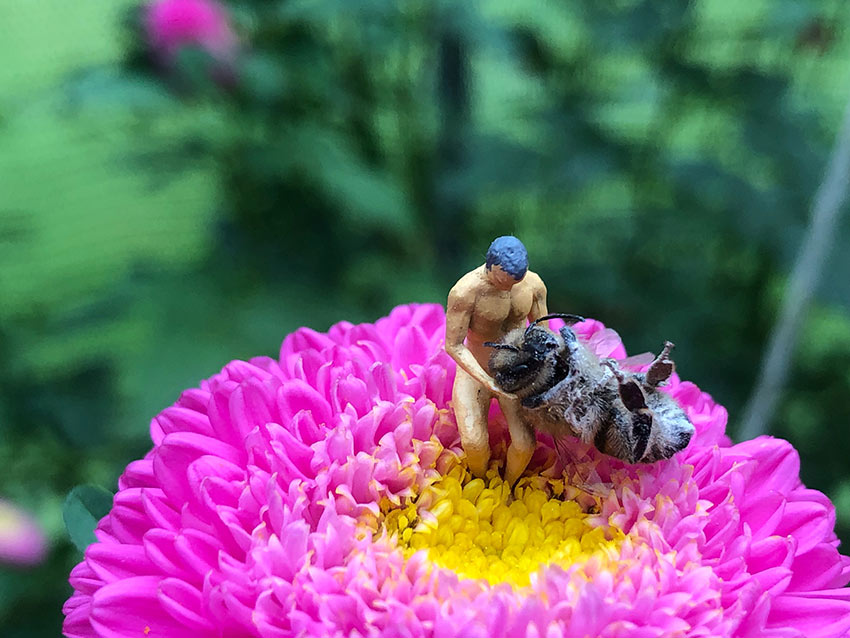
539 342
517 361
525 357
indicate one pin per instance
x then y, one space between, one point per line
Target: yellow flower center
477 528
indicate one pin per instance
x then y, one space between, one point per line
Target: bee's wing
582 475
604 343
562 447
637 360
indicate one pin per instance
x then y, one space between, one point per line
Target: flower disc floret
324 493
479 529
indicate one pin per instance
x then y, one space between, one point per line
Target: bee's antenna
569 319
501 346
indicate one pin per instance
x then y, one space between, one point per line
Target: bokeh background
169 204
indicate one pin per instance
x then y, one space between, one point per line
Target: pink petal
130 607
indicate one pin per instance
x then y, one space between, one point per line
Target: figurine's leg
471 404
523 441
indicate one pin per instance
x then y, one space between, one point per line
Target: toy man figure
484 305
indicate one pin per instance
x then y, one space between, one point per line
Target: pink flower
21 540
324 493
172 24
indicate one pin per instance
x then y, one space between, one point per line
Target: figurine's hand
510 396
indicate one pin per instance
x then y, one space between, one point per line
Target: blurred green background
658 159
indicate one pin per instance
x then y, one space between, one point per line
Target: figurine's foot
518 458
478 460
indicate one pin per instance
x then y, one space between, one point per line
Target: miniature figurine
485 305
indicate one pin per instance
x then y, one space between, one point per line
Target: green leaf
83 508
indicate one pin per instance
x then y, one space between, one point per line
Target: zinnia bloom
21 540
325 494
172 24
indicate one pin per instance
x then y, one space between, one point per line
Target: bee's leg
567 334
547 397
615 369
565 357
634 401
533 401
661 369
631 394
569 337
641 429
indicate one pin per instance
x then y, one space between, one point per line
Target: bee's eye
521 367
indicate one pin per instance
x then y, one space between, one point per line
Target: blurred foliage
84 507
657 158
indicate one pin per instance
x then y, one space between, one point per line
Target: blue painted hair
509 253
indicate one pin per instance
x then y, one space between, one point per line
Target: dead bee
566 389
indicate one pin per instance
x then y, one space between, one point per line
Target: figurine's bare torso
494 312
490 313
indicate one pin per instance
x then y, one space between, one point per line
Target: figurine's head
507 261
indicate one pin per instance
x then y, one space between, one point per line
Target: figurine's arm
538 305
458 315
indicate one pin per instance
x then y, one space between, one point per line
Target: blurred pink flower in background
21 540
172 24
263 510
